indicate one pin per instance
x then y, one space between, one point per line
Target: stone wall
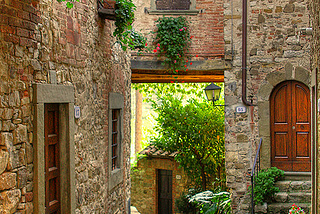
277 51
314 9
43 42
144 183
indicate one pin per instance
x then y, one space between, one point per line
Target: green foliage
212 203
264 188
69 3
173 40
189 124
196 131
154 91
124 32
184 206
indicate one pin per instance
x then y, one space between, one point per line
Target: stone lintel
51 93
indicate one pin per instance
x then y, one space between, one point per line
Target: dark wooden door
290 127
164 191
52 158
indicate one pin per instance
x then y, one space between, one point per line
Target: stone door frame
289 72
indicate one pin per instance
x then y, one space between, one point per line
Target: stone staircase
294 189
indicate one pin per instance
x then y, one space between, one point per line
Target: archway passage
290 127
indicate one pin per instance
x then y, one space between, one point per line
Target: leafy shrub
184 206
264 188
213 203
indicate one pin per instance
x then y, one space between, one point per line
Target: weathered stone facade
314 9
43 42
277 51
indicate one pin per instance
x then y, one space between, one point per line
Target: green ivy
173 41
264 188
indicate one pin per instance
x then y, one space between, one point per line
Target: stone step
294 186
293 197
297 176
283 208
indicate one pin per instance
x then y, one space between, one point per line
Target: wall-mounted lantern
213 93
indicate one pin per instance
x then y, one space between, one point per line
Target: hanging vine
173 41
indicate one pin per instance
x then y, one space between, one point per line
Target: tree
195 131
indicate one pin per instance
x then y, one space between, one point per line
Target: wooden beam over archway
152 71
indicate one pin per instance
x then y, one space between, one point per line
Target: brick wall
43 42
206 26
144 183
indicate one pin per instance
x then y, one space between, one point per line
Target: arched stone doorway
287 73
290 125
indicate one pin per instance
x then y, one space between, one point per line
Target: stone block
29 196
29 153
6 125
4 159
22 177
9 200
8 180
289 8
20 134
265 91
6 139
14 99
29 208
302 75
275 78
7 114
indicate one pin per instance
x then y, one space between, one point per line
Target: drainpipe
244 53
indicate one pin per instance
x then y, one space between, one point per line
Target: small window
173 7
116 143
115 153
173 4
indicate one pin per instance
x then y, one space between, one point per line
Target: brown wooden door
290 127
52 158
164 191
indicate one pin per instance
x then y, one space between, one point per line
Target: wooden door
52 159
164 191
290 127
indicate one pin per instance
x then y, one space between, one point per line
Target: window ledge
173 12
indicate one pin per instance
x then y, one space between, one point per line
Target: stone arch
289 72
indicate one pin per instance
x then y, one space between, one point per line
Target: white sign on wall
241 109
77 112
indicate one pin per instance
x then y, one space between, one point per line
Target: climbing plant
172 39
124 33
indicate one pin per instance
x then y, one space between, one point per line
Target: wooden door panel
301 100
52 159
302 147
281 145
290 126
280 107
164 191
